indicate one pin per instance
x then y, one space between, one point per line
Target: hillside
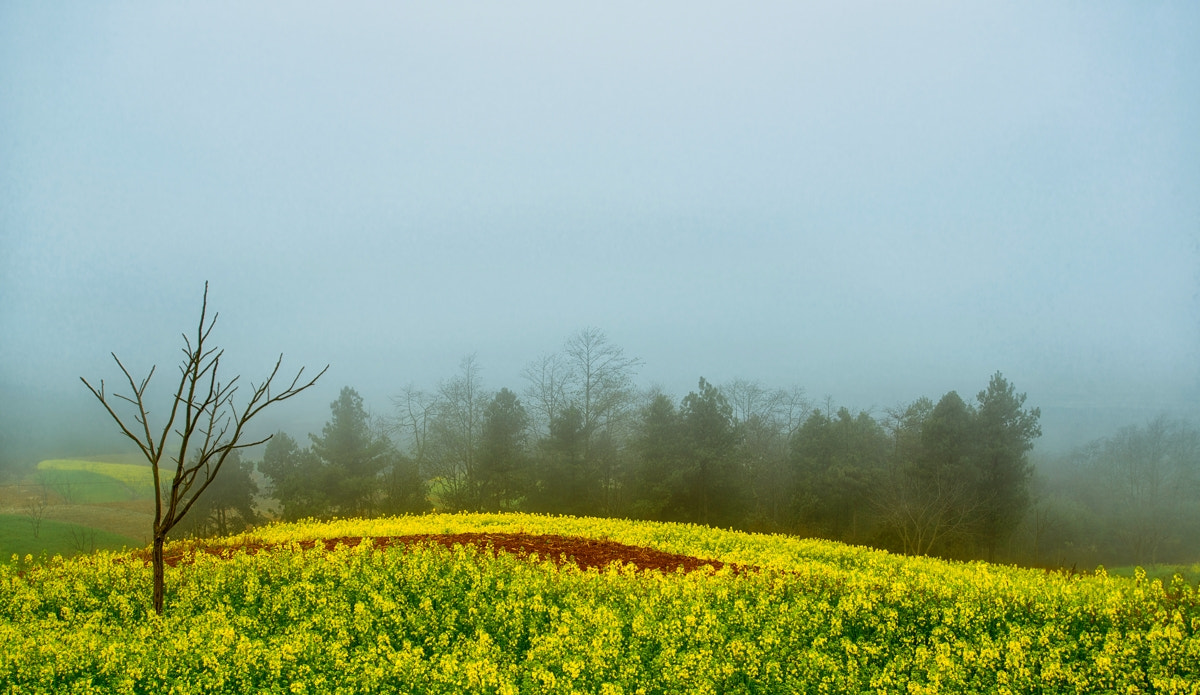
262 612
72 506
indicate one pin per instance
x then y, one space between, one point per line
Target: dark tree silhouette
503 461
659 446
204 425
567 486
354 454
1005 434
838 462
926 496
228 504
711 485
300 481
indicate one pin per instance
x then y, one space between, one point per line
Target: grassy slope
55 538
102 502
84 487
93 482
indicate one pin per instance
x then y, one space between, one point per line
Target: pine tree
1005 434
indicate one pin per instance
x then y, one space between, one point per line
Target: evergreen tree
711 490
355 455
928 494
839 463
300 482
947 475
660 454
568 485
1004 435
503 461
404 492
947 442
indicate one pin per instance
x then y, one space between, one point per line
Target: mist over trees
950 477
351 469
1131 498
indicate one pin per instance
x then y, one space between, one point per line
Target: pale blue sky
873 201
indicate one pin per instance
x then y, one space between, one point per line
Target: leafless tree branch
204 419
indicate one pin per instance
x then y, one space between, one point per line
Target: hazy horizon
873 203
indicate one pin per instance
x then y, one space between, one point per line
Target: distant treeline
950 478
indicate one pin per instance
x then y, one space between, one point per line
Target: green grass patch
54 538
96 482
85 487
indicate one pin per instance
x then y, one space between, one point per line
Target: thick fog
873 202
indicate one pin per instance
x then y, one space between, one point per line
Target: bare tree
599 384
751 399
415 411
599 379
923 515
206 421
83 539
35 509
546 393
1146 479
456 432
794 409
767 419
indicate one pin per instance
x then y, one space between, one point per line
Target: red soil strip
586 553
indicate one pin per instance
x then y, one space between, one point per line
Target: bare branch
205 419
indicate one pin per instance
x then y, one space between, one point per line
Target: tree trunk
157 560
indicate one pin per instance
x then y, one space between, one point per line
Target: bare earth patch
586 553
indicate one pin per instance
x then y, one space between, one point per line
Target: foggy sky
873 202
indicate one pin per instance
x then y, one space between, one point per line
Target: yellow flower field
818 617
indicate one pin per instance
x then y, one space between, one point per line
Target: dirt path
583 552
